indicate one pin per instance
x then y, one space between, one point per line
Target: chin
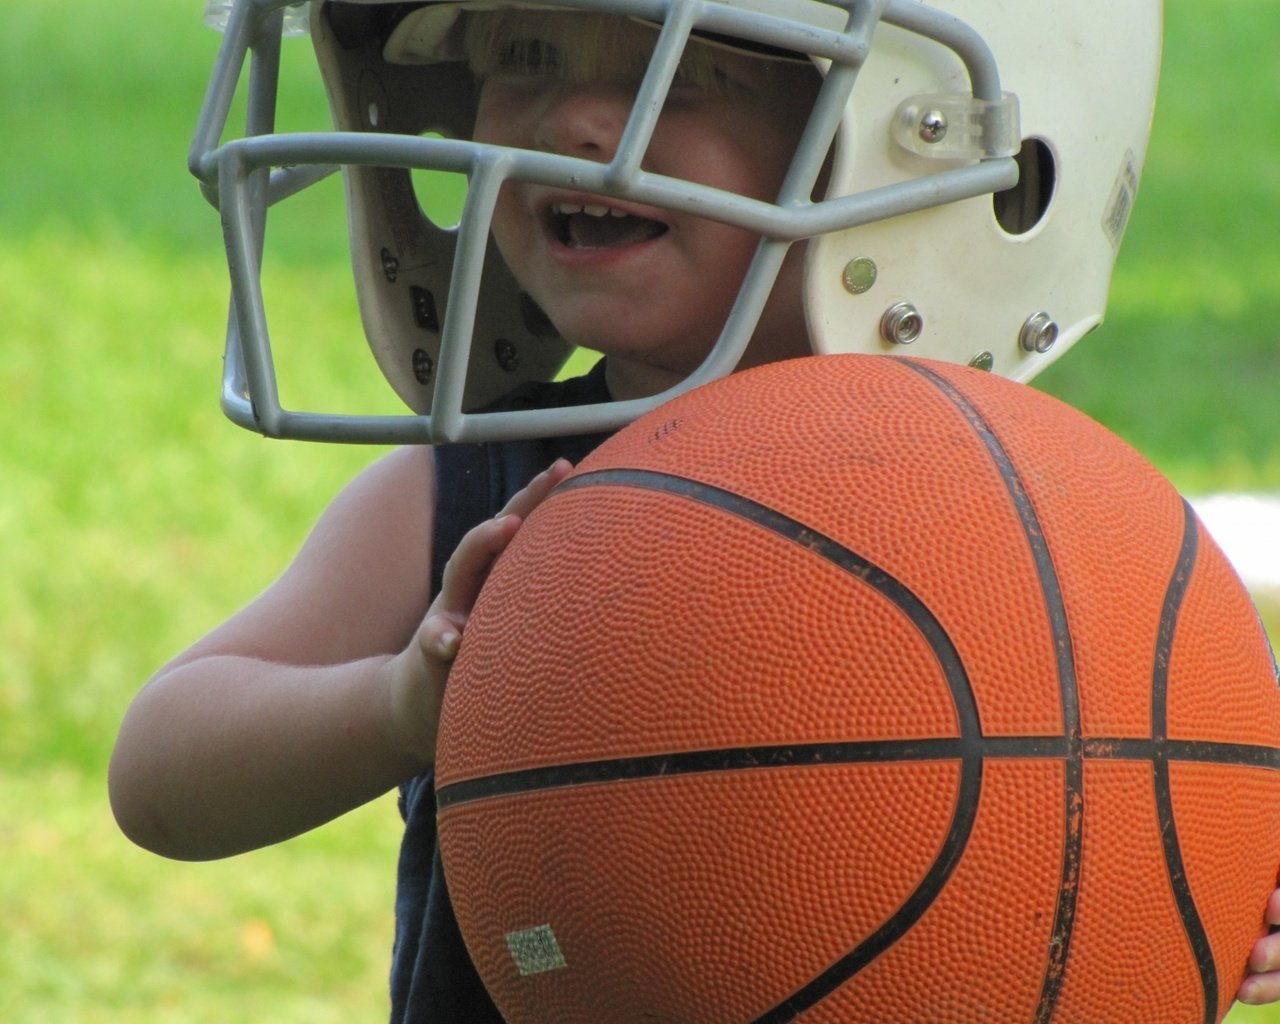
673 354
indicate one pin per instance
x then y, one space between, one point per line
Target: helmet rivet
423 366
983 361
901 324
1039 333
390 265
933 126
507 355
859 275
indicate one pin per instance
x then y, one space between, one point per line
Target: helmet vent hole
1022 207
440 194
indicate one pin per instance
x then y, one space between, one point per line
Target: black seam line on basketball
1169 612
962 696
1240 755
695 762
904 918
1125 748
812 755
1055 606
826 548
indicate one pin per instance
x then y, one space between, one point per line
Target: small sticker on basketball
535 950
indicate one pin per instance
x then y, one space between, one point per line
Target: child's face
649 287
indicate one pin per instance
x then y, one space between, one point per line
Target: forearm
225 754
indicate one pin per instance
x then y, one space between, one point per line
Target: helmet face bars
979 161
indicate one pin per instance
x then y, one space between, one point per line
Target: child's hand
420 671
1262 985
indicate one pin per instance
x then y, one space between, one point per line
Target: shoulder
394 493
375 536
383 518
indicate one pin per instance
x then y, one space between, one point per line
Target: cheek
482 129
773 152
715 269
511 234
502 115
750 157
489 127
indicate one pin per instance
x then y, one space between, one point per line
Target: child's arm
1262 985
320 695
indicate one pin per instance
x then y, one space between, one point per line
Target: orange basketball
862 689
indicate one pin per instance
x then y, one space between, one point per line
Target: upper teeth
590 209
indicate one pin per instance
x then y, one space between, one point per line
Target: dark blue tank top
432 978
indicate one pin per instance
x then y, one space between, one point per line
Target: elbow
136 812
144 823
137 794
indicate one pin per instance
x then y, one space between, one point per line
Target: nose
583 121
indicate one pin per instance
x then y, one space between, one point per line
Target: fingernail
448 644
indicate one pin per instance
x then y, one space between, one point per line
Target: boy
325 691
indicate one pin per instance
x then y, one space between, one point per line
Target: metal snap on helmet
982 161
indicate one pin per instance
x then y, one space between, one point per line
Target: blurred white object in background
296 17
1247 528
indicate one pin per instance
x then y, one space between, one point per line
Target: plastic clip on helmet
985 157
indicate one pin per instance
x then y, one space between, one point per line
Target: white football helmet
985 156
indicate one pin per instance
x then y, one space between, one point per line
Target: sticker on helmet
1123 195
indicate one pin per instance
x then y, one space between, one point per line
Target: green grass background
133 517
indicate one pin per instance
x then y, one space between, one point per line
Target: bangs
580 48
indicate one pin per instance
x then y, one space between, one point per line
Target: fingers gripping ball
861 689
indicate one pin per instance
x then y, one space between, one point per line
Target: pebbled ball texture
861 689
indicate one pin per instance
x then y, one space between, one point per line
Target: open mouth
597 226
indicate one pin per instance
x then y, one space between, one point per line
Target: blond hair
580 48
